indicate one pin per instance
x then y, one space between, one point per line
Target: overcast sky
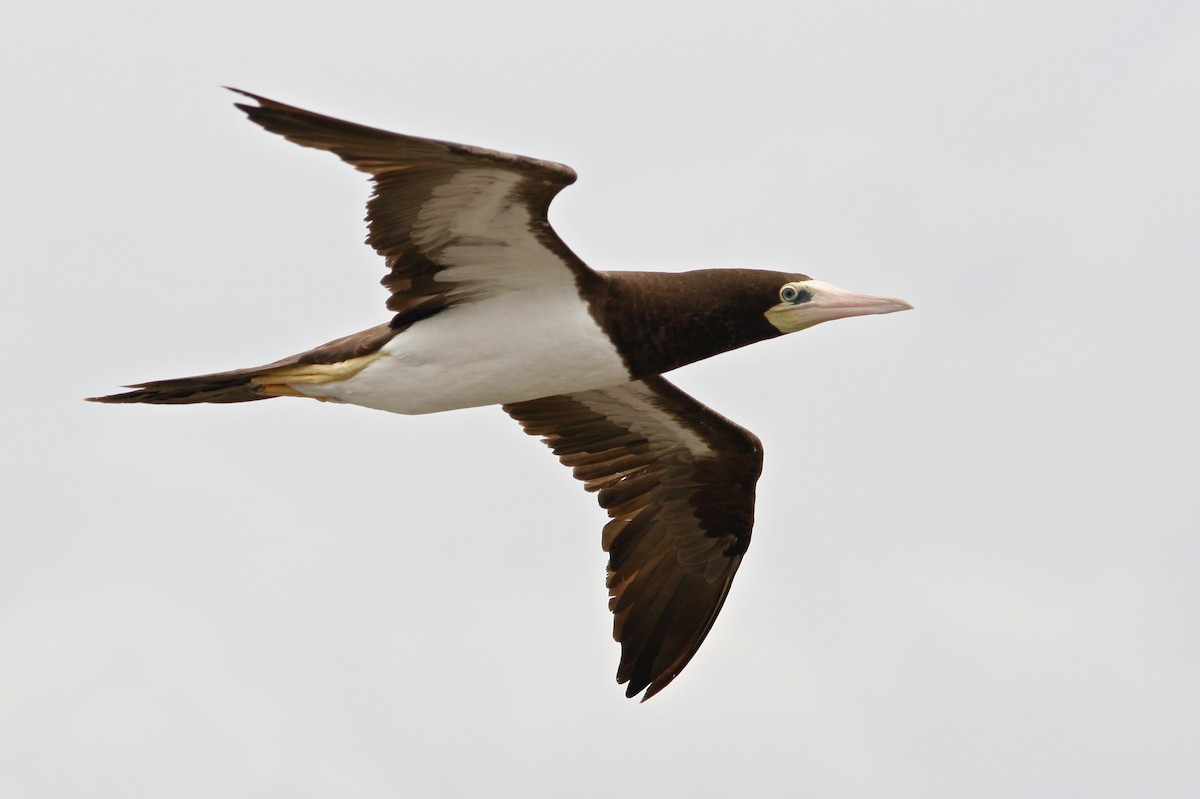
974 572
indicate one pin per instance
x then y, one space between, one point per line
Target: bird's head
806 302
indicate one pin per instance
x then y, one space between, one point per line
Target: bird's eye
794 294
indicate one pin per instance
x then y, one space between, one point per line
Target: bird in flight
489 307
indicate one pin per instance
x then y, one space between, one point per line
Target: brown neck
661 321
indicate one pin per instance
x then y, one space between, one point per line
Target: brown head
661 321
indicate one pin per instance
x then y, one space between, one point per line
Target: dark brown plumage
660 321
489 306
680 521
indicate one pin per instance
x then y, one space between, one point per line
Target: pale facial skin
805 303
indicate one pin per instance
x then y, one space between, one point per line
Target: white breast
514 346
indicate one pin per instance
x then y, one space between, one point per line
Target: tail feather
340 359
234 386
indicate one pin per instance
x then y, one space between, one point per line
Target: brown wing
454 222
678 480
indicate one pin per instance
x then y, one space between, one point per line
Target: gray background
974 567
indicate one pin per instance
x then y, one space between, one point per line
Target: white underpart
508 348
525 334
637 408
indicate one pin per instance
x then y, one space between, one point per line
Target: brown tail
328 363
236 386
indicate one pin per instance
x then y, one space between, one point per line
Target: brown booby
490 307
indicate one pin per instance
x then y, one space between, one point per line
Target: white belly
516 346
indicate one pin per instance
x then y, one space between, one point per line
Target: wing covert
454 222
677 480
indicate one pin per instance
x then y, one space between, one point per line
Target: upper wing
678 480
454 222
